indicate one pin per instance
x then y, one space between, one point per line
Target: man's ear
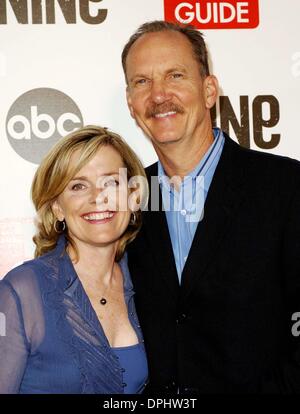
211 90
129 102
57 210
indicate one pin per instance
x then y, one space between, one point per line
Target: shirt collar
200 167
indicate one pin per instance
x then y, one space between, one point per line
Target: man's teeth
98 216
165 114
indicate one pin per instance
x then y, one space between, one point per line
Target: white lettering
218 12
215 14
138 199
68 116
240 12
3 65
25 133
2 324
189 16
296 65
200 18
296 326
37 119
231 16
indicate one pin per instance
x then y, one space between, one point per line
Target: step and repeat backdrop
60 69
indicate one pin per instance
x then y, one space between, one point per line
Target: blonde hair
54 173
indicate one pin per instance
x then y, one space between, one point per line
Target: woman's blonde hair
55 172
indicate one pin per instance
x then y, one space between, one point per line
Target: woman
71 325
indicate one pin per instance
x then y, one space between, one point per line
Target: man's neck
180 160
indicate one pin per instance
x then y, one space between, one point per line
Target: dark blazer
228 327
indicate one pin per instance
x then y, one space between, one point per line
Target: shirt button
124 385
185 257
183 212
181 318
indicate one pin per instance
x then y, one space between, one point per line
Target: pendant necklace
103 301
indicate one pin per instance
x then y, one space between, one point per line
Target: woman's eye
111 183
78 186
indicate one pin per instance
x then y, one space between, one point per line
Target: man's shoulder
152 169
261 162
237 158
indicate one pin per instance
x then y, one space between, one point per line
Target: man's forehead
158 38
151 48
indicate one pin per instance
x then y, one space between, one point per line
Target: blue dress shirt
185 208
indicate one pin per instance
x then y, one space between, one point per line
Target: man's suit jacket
228 327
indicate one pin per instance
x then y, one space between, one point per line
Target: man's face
166 94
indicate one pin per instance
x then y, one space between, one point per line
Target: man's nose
159 92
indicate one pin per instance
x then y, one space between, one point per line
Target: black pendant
103 301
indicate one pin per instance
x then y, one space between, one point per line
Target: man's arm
285 378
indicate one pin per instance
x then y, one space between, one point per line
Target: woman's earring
61 224
133 218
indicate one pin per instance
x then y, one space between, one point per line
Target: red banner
217 14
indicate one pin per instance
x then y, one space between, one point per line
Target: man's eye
176 75
139 82
78 186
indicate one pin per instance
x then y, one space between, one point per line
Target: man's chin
164 140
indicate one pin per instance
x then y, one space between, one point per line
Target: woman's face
94 204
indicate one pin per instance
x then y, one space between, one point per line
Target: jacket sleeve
285 378
13 344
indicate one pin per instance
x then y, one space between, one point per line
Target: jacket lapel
223 199
157 234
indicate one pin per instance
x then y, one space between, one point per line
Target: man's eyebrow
173 69
176 69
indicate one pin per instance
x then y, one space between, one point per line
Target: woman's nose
99 196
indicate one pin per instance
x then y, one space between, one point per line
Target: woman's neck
96 266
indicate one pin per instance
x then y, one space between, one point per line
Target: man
215 297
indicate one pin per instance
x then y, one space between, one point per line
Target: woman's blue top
54 342
132 360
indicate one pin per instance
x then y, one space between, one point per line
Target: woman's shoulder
21 278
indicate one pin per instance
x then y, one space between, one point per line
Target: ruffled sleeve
13 344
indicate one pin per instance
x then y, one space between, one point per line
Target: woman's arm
14 347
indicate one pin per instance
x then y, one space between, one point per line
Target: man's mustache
163 109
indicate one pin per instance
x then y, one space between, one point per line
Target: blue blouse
132 360
54 342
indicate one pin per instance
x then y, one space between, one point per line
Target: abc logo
39 118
